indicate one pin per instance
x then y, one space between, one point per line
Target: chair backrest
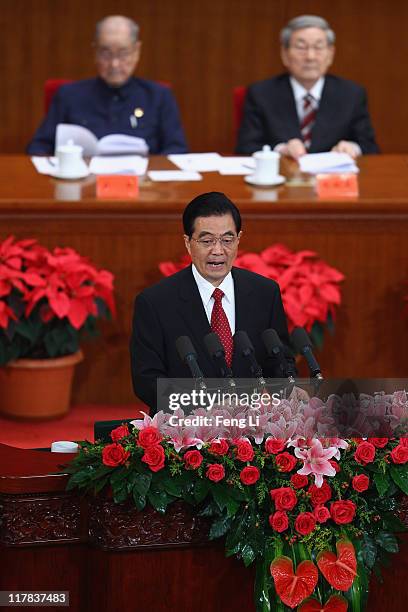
50 88
239 94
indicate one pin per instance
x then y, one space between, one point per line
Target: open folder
113 144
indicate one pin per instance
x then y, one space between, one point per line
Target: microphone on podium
303 345
188 356
217 352
244 346
275 348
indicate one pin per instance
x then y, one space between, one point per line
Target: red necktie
308 121
221 326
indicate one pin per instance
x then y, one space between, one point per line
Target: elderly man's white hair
306 21
132 25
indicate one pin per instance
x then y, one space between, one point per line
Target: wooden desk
365 238
111 557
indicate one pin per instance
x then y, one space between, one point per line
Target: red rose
334 464
365 453
274 445
360 483
378 442
219 447
114 454
342 512
284 498
320 495
120 432
285 462
149 436
305 523
249 475
321 514
154 457
193 459
244 451
299 481
215 472
399 454
279 521
403 441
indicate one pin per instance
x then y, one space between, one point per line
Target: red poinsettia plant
48 300
310 287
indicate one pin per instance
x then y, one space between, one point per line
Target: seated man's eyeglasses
207 242
304 48
107 55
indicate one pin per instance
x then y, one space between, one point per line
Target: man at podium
209 295
115 102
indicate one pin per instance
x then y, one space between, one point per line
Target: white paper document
196 162
119 164
45 165
173 175
112 144
315 163
236 166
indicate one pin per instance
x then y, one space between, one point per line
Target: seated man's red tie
221 326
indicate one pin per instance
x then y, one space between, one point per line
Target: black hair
209 204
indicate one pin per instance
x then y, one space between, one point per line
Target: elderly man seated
115 102
306 109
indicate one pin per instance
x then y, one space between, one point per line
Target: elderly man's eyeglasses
227 242
303 48
106 55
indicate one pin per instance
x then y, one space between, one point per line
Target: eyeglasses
303 48
106 55
227 242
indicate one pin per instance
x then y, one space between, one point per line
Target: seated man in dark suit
115 102
187 303
307 110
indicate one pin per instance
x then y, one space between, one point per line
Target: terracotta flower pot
36 389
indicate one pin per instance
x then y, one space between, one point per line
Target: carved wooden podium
111 557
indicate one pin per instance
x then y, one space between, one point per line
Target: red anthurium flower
339 570
336 603
293 587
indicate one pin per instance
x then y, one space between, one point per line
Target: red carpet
77 425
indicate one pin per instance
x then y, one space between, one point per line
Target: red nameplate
117 186
337 185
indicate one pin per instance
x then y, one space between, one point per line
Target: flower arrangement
48 300
310 287
316 515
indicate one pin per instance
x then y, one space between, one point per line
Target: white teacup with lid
70 161
266 165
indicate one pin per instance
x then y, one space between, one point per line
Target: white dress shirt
206 290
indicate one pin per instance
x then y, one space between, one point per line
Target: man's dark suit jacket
270 116
106 110
173 308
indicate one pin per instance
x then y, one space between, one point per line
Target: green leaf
369 551
201 490
220 527
159 500
224 500
142 483
400 477
140 500
382 482
387 541
248 554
